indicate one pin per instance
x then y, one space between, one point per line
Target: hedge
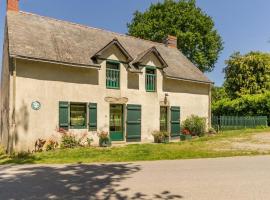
247 105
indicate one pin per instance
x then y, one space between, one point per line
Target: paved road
202 179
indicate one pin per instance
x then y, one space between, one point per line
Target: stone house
58 74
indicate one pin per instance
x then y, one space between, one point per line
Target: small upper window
150 79
113 75
78 115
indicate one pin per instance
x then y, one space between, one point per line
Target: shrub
104 139
2 152
89 141
247 105
186 132
39 144
68 139
195 125
21 155
51 145
160 136
212 131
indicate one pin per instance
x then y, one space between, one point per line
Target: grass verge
204 147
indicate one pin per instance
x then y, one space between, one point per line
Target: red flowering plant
186 132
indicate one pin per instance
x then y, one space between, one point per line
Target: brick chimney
13 5
170 41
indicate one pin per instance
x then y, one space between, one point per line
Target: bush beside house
194 126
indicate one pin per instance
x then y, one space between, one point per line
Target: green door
175 121
133 123
116 122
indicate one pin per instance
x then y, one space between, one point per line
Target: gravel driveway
223 178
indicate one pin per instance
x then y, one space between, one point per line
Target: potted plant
186 135
104 139
161 136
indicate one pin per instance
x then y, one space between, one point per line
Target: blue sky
243 24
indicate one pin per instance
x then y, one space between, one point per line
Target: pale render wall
49 84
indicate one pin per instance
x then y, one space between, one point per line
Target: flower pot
188 137
104 143
185 137
165 140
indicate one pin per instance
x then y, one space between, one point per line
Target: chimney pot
13 5
170 41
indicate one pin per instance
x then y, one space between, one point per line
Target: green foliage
196 125
218 93
212 131
51 145
69 141
160 136
2 152
104 139
246 105
203 147
89 141
247 74
198 38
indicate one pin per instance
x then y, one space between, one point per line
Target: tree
197 37
247 74
218 93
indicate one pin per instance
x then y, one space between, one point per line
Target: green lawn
205 147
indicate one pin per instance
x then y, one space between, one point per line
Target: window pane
116 114
77 114
150 80
112 75
163 119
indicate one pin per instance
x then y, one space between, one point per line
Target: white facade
51 83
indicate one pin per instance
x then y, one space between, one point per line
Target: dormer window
150 79
113 75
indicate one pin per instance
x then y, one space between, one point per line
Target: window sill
78 127
116 88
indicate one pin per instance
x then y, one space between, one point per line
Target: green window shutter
64 115
133 123
175 121
92 116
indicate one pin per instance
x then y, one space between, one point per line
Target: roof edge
94 66
155 52
190 80
116 42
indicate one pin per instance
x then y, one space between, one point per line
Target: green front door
116 122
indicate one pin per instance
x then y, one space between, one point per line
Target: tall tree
218 93
247 74
197 37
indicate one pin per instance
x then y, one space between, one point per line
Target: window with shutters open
74 115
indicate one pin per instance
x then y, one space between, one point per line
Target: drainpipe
209 109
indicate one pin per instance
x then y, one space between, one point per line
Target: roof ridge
90 27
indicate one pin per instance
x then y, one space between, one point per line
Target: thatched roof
37 37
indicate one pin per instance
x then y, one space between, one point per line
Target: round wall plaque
35 105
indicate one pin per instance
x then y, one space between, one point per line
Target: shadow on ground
75 182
